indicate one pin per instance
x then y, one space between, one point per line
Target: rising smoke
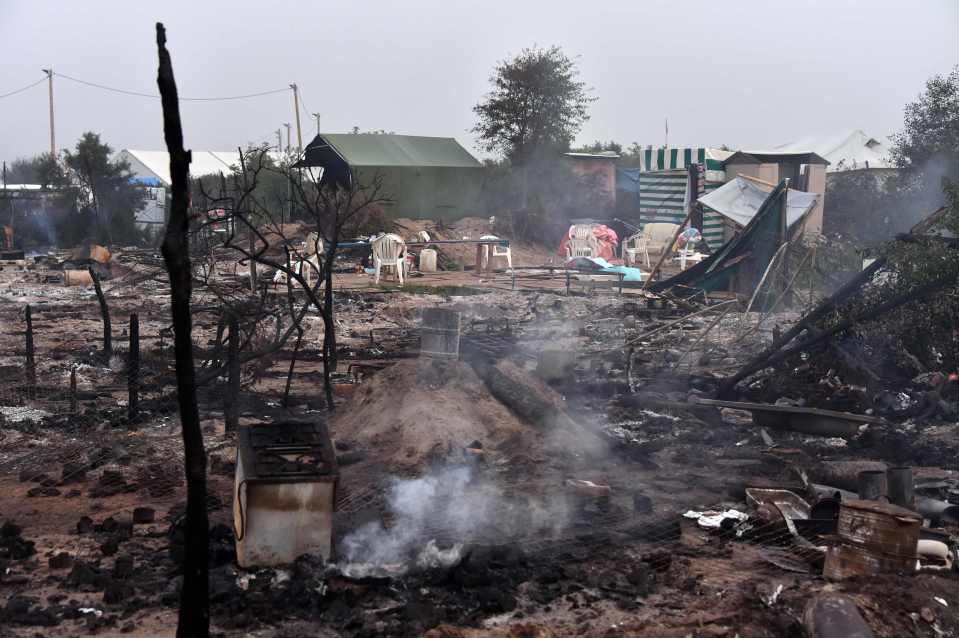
434 517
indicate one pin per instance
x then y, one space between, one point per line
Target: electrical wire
21 90
185 99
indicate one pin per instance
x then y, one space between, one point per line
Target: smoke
435 516
43 226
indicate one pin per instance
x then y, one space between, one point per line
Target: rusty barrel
874 538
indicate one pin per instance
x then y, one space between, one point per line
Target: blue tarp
601 265
627 179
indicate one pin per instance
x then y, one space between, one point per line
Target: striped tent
662 198
662 186
665 159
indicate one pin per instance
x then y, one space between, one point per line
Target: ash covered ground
462 508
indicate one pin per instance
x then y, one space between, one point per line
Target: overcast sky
746 73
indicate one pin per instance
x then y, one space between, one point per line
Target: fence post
231 410
31 363
105 315
73 391
133 369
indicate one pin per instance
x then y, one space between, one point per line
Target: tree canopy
104 189
537 104
931 126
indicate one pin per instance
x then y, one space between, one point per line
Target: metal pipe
937 511
871 485
899 486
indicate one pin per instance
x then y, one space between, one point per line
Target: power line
150 95
21 90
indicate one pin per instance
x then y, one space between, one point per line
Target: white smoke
434 516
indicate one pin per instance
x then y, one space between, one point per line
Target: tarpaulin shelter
741 198
740 263
423 177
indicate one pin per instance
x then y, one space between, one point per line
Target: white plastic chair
495 250
632 248
389 250
576 247
308 268
582 241
656 236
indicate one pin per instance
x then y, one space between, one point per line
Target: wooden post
73 391
104 315
31 363
133 369
231 409
479 260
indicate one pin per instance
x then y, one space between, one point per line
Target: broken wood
194 614
799 419
827 305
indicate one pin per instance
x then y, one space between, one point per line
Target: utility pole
53 140
279 141
317 116
296 110
287 125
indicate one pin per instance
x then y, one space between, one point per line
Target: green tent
423 177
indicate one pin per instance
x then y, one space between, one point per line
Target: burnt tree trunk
329 338
104 315
194 616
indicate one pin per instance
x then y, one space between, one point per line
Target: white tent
846 151
156 164
740 198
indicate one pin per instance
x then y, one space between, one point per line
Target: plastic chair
656 236
495 250
576 247
389 251
632 248
582 241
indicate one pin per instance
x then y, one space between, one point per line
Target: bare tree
300 255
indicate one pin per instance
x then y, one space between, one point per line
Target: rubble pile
579 469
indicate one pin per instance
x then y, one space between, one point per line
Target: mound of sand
418 410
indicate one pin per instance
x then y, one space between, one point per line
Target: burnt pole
104 315
231 408
31 363
194 616
73 391
133 370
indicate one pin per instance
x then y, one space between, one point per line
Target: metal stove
285 491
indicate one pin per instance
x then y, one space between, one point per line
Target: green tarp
740 263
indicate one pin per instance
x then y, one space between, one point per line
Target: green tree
536 106
105 193
931 127
601 147
41 169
